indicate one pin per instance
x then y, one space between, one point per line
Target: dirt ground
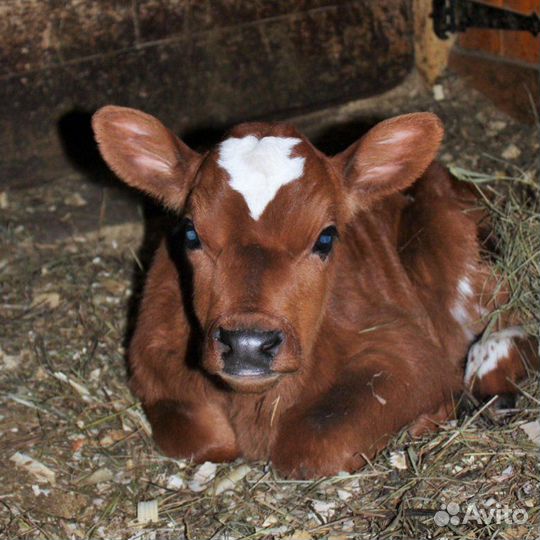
77 455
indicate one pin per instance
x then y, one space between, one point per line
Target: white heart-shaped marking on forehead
259 167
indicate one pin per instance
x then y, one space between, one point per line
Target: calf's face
262 214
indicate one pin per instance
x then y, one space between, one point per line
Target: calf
307 307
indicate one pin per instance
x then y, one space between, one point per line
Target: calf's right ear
145 154
389 158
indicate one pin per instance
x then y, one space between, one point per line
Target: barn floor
67 298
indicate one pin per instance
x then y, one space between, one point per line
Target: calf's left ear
389 158
145 154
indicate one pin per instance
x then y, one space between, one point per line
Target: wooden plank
39 34
478 39
210 78
514 88
521 45
522 6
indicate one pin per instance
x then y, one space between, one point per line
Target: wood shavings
41 472
532 429
141 420
398 460
203 475
344 495
100 475
511 152
174 481
50 300
147 512
438 92
79 388
229 482
75 199
325 509
299 535
10 361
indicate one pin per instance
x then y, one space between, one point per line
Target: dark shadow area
109 201
80 147
203 138
160 225
339 137
177 252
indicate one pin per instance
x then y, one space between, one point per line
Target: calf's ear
390 157
145 154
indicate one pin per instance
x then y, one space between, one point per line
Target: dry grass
64 403
514 204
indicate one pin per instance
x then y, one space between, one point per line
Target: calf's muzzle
248 352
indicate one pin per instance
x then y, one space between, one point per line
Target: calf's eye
191 238
324 243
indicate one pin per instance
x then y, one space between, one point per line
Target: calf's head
262 216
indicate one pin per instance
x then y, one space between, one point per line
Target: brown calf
310 306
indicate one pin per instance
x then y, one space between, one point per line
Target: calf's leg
496 363
373 398
200 432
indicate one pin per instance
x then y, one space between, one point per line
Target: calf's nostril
272 343
225 339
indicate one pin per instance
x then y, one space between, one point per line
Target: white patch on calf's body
462 316
465 287
485 356
259 167
460 309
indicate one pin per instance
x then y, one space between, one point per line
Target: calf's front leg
351 422
200 432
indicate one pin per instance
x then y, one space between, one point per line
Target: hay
514 205
65 405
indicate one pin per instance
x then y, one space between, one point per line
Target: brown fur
371 344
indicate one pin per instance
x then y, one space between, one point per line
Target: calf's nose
249 353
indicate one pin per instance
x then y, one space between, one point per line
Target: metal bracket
450 16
